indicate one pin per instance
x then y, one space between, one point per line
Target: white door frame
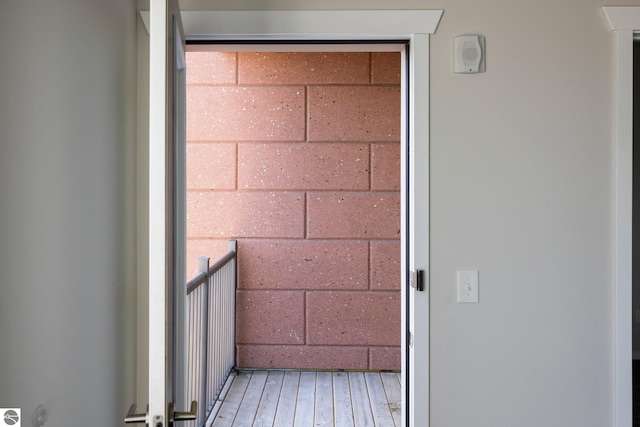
624 20
165 181
411 27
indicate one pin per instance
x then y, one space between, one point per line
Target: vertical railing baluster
220 331
213 319
231 305
203 266
189 344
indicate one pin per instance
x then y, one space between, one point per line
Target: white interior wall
67 209
521 189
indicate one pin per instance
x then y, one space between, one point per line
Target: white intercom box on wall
468 54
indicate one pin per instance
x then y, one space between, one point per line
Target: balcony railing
210 331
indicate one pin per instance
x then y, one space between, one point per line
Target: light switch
468 286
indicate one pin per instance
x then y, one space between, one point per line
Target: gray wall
67 209
522 189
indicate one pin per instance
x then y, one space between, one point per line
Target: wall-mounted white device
468 286
468 54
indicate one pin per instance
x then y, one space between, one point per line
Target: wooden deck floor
302 398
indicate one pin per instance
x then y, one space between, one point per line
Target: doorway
412 28
297 156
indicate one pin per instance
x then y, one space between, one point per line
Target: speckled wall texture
296 155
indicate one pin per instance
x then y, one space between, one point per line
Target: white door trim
624 21
157 176
166 141
314 25
412 28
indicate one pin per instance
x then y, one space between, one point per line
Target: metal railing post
233 246
203 267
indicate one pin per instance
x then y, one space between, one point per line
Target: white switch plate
468 286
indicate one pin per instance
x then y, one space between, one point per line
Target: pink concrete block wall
297 156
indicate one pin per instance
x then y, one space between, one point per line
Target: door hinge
410 339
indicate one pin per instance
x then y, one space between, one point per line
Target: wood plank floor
307 398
